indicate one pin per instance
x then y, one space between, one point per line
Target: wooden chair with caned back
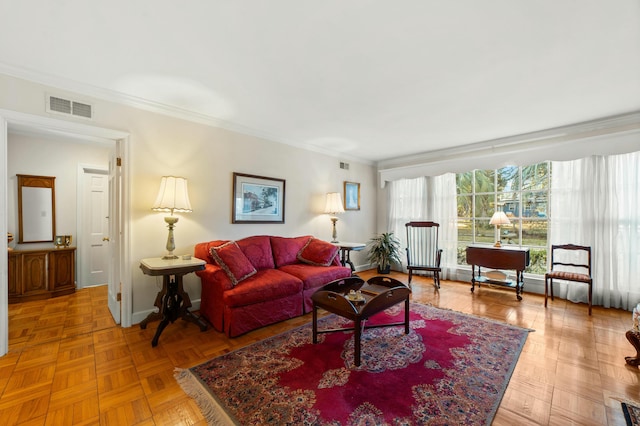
569 262
423 253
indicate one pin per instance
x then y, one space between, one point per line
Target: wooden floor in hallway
69 363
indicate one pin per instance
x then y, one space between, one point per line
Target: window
522 193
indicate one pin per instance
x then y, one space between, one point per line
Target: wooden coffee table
378 294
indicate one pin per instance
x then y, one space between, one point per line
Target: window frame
494 195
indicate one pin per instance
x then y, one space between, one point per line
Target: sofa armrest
215 275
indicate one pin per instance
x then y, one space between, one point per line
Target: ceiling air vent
67 106
344 166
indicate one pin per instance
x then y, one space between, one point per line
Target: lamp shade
499 218
173 195
334 203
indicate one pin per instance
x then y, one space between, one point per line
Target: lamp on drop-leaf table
499 218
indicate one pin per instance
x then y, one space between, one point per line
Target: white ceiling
366 79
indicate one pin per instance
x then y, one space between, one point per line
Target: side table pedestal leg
161 327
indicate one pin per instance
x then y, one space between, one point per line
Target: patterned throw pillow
233 261
318 252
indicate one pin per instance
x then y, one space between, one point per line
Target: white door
115 236
95 228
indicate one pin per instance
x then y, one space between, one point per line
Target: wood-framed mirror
36 209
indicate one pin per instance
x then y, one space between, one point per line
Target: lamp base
335 232
171 245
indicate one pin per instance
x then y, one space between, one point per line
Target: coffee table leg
315 323
406 316
356 343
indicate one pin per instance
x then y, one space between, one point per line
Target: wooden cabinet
41 274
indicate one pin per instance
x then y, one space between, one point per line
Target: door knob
106 239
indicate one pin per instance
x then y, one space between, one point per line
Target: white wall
37 155
208 156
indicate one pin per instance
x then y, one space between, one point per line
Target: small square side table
172 301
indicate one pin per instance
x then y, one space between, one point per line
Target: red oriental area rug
631 413
451 368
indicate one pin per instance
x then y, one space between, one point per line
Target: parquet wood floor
68 363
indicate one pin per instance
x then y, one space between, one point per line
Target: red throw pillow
233 261
258 251
318 252
285 250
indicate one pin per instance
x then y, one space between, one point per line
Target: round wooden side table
634 338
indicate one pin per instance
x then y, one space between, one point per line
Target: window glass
484 181
465 206
510 203
537 261
534 204
534 233
509 179
484 206
484 232
535 176
465 230
465 237
464 183
522 193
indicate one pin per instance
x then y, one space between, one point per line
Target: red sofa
260 280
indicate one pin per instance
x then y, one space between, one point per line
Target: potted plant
384 250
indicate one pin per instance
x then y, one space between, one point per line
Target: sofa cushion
258 251
316 276
233 261
285 250
317 252
268 284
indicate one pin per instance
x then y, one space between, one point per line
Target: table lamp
333 207
172 197
499 218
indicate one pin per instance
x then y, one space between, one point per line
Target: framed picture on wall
351 196
257 199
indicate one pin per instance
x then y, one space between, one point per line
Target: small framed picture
257 199
351 196
59 241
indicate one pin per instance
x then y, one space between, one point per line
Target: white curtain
426 198
595 201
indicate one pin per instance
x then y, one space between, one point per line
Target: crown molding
617 124
608 136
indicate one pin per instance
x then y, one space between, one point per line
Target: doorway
93 226
121 247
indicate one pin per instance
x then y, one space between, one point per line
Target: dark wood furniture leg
357 344
634 338
345 258
348 260
519 283
315 323
473 277
406 316
172 303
